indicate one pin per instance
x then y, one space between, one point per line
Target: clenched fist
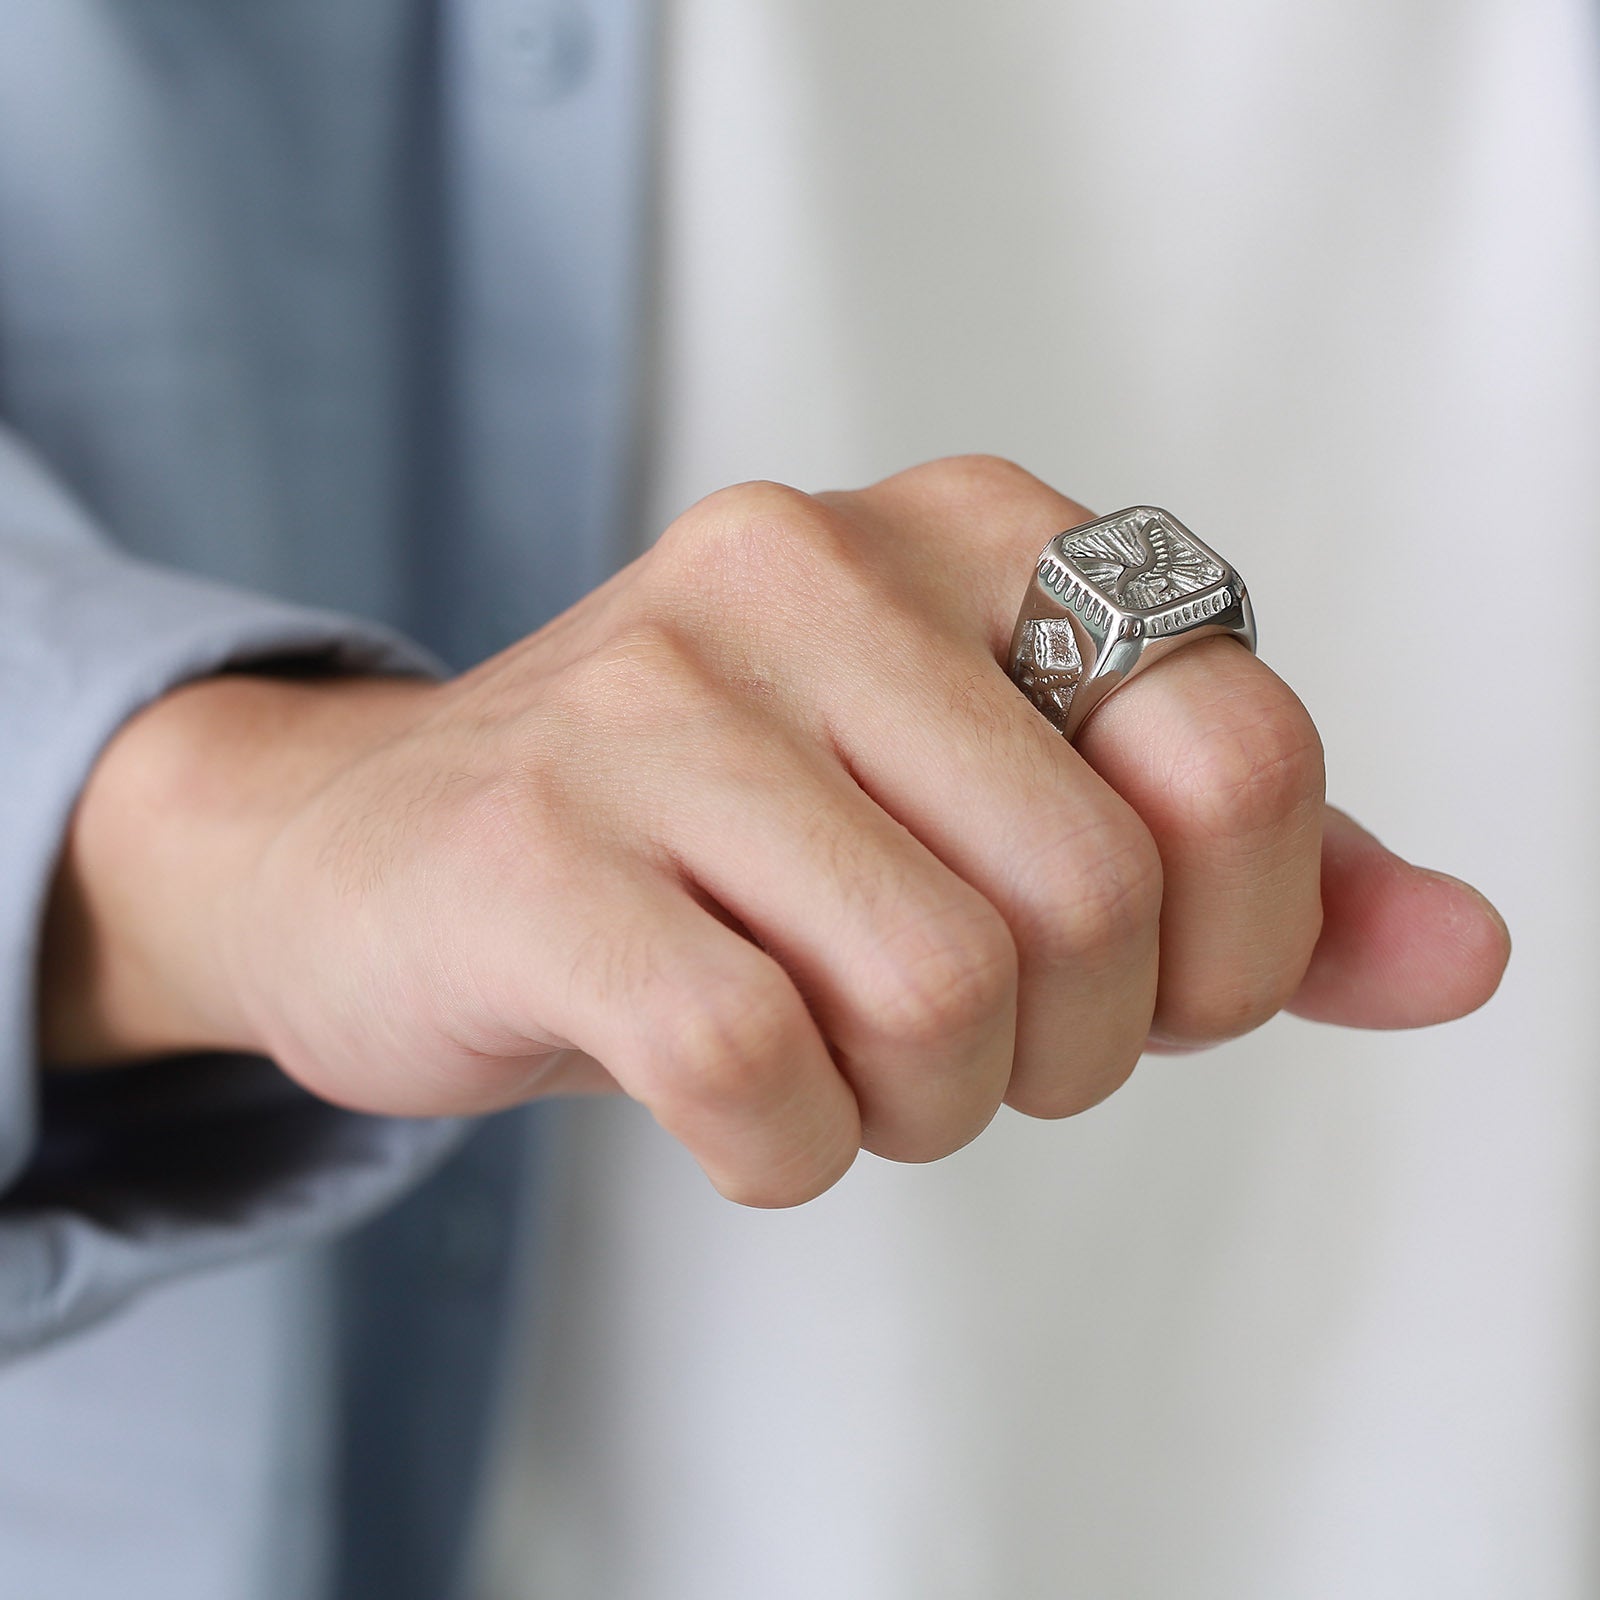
759 833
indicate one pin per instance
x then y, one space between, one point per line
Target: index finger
968 531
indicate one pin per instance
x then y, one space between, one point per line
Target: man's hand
759 833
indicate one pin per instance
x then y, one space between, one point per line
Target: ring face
1109 598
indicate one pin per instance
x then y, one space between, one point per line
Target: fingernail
1477 894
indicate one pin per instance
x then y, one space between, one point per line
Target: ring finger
1223 763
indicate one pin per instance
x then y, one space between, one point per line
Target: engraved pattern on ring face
1048 666
1143 561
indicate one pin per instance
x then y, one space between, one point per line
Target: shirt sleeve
113 1181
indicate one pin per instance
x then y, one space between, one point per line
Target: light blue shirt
309 312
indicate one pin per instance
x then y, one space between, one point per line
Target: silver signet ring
1111 597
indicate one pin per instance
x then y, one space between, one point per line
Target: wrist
149 920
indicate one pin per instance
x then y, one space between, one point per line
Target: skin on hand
759 833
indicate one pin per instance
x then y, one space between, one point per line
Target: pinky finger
710 1034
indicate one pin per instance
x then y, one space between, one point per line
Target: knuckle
937 1131
980 482
977 474
516 823
747 525
649 653
944 976
1234 1003
758 500
726 554
725 1046
1050 1100
1254 772
779 1186
508 817
646 676
1102 893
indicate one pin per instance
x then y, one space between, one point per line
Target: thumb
1401 947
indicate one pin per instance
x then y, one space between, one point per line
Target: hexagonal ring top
1110 598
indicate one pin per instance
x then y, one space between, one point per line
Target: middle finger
944 742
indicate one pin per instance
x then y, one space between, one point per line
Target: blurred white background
1315 1315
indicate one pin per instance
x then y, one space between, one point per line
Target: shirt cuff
112 1181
